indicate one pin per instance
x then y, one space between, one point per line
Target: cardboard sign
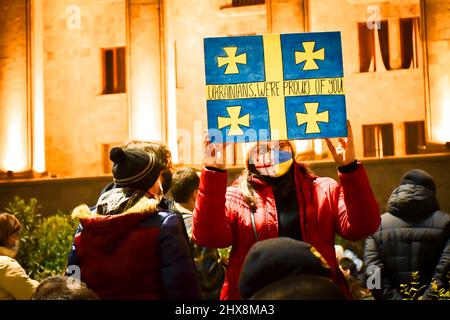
275 87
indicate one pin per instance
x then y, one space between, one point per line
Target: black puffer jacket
413 236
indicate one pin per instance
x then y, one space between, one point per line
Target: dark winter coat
128 249
413 236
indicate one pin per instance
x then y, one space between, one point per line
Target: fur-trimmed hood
117 212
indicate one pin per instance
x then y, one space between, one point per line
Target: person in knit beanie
127 247
276 196
272 260
412 226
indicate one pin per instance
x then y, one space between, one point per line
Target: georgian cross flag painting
275 87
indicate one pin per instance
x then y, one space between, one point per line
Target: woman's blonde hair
247 190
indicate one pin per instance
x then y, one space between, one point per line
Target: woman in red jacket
275 196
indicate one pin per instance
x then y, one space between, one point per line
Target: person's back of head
184 183
63 288
301 287
419 177
415 197
271 260
163 154
9 225
347 265
9 231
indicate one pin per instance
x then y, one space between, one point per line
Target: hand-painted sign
275 87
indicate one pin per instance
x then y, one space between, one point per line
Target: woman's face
273 158
267 152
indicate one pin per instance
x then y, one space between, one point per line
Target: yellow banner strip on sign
286 88
274 73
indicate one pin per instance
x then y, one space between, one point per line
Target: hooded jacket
133 251
222 218
413 236
14 282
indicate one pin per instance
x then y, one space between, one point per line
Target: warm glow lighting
441 128
172 106
146 123
318 148
146 118
38 133
15 156
38 90
302 146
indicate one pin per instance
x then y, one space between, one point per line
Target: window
114 70
378 140
393 46
240 3
414 137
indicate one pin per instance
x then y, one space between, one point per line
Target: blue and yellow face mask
274 164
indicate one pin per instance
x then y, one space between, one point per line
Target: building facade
77 76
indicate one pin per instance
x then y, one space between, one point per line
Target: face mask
160 193
276 167
16 245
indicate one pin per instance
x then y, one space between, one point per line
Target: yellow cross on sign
234 121
309 55
231 60
312 117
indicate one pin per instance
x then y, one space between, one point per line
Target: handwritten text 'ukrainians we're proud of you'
289 88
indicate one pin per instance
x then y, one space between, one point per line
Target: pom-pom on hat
134 168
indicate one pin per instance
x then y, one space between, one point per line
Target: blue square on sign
227 53
316 117
232 119
312 55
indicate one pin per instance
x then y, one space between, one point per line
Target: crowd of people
278 219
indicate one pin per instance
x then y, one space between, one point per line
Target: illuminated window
378 140
366 39
114 75
398 41
414 137
240 3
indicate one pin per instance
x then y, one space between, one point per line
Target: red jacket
138 254
222 218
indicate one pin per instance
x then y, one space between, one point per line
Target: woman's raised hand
345 152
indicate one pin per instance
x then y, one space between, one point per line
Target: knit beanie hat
301 287
274 259
419 177
134 168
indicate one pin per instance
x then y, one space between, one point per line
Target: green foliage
440 294
414 290
224 254
44 241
